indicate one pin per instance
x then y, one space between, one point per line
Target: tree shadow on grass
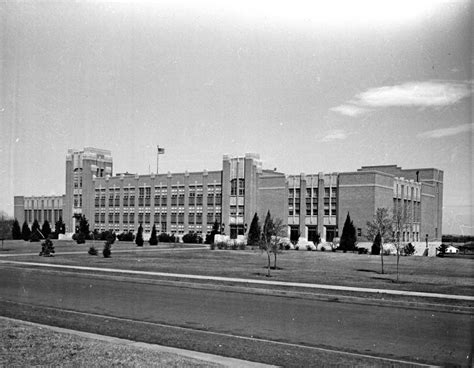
391 281
364 270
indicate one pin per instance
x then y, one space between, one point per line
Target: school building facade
179 203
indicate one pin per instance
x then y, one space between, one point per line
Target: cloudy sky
310 86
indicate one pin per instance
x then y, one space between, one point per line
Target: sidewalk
251 281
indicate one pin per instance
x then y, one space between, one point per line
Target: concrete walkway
248 281
210 358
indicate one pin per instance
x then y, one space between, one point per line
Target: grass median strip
26 345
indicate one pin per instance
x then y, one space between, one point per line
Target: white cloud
410 94
350 110
446 132
333 135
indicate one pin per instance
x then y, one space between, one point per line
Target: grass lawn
26 345
428 274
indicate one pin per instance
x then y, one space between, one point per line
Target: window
147 218
199 199
117 217
210 199
131 218
125 218
140 217
198 218
132 201
111 200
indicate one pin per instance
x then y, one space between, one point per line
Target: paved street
397 333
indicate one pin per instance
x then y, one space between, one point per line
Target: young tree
381 224
139 238
25 231
254 232
47 248
270 240
16 230
376 245
36 234
46 229
153 238
348 237
401 220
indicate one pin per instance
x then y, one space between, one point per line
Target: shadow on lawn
364 270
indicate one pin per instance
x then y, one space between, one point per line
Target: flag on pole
160 150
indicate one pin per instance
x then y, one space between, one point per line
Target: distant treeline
457 238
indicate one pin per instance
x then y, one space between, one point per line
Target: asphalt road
420 336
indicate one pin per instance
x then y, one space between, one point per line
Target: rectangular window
191 218
173 217
117 217
180 218
163 218
102 218
147 218
199 218
131 218
181 200
157 217
140 217
164 201
111 217
125 218
218 199
132 201
174 200
199 199
117 201
210 199
111 200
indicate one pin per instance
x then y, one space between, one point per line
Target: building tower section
81 168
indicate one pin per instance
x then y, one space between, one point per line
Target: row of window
145 191
312 192
41 215
129 201
175 218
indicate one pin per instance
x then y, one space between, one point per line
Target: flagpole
157 158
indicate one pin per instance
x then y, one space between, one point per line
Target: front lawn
428 274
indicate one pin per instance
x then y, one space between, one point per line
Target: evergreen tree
47 248
16 230
139 238
84 227
35 232
153 238
215 230
254 231
348 237
25 232
59 227
376 245
46 229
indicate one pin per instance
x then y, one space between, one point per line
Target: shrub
213 246
242 246
92 251
222 245
323 249
107 252
234 245
192 238
126 236
362 250
409 249
165 238
47 248
80 238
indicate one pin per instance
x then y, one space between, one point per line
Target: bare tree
382 223
401 221
273 230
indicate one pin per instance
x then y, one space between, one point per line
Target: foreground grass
25 345
428 274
